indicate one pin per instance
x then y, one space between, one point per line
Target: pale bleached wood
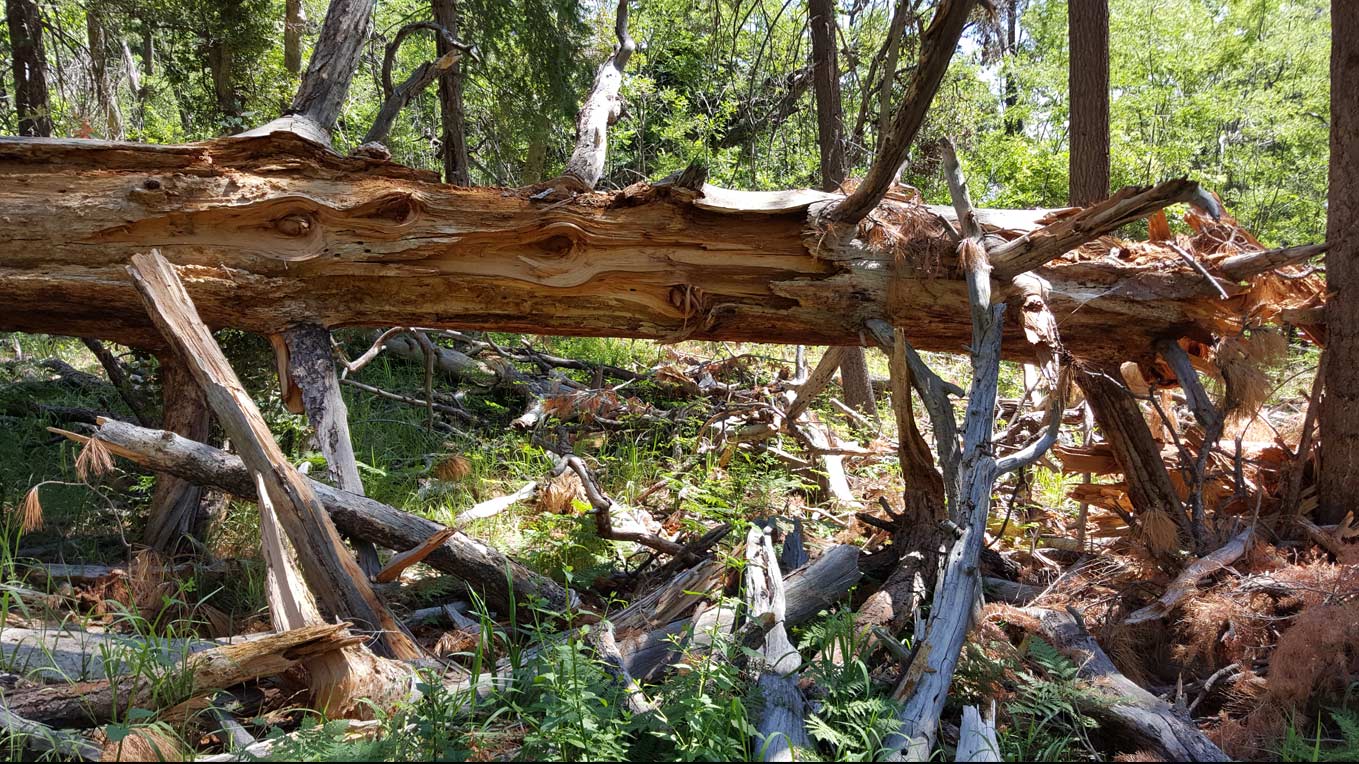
330 571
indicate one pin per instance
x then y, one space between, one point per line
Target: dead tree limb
1247 266
937 47
1037 247
395 98
602 108
604 509
118 376
84 704
499 579
1117 700
781 728
330 571
1188 580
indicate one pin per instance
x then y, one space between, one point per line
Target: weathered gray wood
483 567
977 737
781 728
601 108
311 371
807 591
1113 697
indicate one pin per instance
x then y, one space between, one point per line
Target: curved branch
940 40
419 79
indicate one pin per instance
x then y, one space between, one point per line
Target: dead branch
782 727
937 47
1188 580
499 579
602 108
1127 205
396 98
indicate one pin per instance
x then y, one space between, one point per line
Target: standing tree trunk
830 124
30 68
450 100
221 62
293 19
830 117
1088 33
97 29
1340 405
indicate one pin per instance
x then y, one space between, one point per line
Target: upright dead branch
937 47
781 727
330 571
396 97
602 108
310 369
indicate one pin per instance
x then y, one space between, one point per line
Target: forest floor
1259 653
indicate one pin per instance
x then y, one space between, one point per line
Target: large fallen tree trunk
495 576
269 231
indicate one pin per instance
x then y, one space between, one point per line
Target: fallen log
483 567
1116 699
272 230
83 704
807 591
1189 578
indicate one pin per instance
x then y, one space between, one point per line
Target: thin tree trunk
294 19
97 29
221 63
1088 33
830 117
450 100
1340 404
30 68
895 32
830 123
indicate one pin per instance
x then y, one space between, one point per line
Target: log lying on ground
807 591
272 230
484 568
89 703
1113 697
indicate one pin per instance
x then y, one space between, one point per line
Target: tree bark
294 19
1340 404
320 99
450 100
311 371
30 68
177 509
1088 36
272 231
830 116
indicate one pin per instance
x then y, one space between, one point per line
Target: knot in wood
293 225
